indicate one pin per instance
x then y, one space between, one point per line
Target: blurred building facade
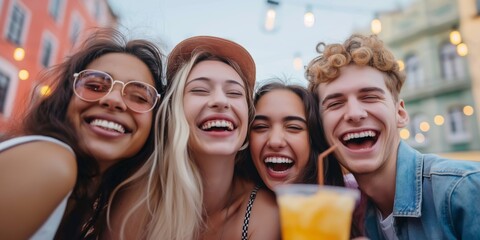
470 29
35 34
442 87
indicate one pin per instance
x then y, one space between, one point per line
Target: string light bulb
462 49
424 126
468 110
404 134
19 54
455 37
297 62
376 26
45 90
271 15
309 17
439 120
419 138
401 65
23 74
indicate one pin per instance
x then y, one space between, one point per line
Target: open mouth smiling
278 164
360 140
108 125
217 125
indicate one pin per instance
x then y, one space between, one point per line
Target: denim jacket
435 198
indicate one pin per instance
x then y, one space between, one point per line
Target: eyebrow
286 119
363 90
229 81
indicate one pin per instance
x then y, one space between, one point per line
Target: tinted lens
92 86
139 96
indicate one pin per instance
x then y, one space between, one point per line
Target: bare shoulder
264 221
35 178
41 159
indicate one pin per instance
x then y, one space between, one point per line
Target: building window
47 52
478 7
457 125
419 137
452 63
415 76
4 83
16 24
97 10
75 28
54 9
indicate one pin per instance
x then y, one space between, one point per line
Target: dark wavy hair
47 116
332 171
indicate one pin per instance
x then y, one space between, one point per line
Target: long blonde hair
171 183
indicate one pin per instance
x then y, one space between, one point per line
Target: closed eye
295 127
259 127
235 93
334 104
370 98
199 90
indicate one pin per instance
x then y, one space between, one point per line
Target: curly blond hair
357 49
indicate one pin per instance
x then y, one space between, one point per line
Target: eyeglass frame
75 75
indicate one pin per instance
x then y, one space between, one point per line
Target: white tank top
49 228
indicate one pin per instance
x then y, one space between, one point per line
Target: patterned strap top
246 220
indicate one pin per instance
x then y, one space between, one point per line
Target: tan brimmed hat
215 45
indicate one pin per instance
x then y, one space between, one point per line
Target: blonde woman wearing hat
189 188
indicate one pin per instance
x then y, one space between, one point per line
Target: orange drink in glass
309 211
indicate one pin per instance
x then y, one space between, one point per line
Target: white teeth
218 123
108 125
278 160
350 136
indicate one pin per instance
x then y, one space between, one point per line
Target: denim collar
408 187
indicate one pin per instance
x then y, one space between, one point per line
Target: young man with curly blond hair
410 195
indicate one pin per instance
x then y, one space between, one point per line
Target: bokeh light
419 138
18 54
404 134
424 126
439 120
23 74
468 110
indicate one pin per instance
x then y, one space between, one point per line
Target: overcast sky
170 21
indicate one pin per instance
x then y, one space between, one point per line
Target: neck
380 186
217 178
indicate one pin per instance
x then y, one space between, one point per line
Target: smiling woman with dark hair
286 139
82 140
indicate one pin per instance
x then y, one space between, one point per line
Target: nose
355 111
114 99
219 100
276 138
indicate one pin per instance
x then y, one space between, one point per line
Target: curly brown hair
357 49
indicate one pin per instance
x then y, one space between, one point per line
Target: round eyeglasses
92 85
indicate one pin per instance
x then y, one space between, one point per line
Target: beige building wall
470 29
420 32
